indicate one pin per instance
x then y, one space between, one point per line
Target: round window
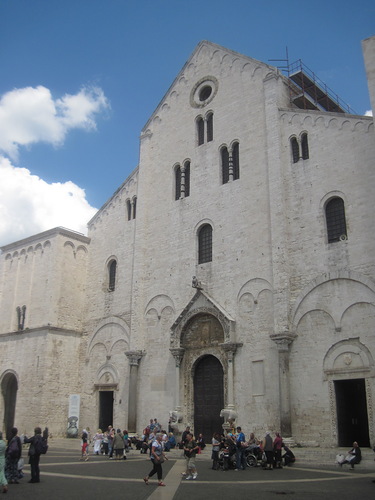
203 91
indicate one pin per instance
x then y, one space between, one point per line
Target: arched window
236 160
295 149
112 266
200 130
178 183
304 147
129 209
187 178
335 219
224 164
210 127
205 244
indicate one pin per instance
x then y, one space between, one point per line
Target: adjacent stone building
230 278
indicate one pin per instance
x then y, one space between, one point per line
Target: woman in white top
157 458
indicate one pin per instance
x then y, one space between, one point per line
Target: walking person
191 449
85 446
34 454
3 479
157 458
13 454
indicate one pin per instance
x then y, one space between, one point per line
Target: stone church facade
230 278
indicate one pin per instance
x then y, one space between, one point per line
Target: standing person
201 443
157 458
183 437
34 454
240 450
277 445
98 438
13 454
3 479
118 445
191 449
215 451
354 456
111 435
268 450
105 443
85 446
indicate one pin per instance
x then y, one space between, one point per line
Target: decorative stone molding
230 348
283 340
134 357
178 354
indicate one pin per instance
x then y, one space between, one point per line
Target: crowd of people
11 461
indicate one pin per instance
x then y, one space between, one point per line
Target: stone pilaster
134 357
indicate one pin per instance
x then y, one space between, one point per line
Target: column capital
134 357
178 354
283 340
230 348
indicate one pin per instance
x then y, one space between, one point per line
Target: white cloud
368 113
30 115
29 205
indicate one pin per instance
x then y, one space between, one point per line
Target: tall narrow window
295 149
134 207
112 275
205 244
210 127
187 178
200 129
335 219
224 164
129 209
304 147
236 161
178 183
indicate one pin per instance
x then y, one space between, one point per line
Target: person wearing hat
268 450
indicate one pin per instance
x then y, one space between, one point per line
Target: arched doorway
9 387
208 396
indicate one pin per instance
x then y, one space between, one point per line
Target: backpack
13 449
41 446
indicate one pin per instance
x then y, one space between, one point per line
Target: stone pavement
64 476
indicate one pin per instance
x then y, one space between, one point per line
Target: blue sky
89 73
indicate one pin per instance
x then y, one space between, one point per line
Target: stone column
178 354
231 168
229 412
283 341
182 195
134 357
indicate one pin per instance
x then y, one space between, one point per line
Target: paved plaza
64 476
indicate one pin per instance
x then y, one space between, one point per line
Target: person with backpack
13 454
38 446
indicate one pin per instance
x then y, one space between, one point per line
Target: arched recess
208 395
9 388
349 369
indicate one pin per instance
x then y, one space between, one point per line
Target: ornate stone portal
202 329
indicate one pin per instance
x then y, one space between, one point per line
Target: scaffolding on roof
307 91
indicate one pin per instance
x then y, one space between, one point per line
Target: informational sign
73 415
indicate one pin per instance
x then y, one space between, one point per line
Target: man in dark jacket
34 453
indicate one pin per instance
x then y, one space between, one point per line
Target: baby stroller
227 459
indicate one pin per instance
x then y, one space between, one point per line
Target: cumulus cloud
29 205
368 113
30 115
